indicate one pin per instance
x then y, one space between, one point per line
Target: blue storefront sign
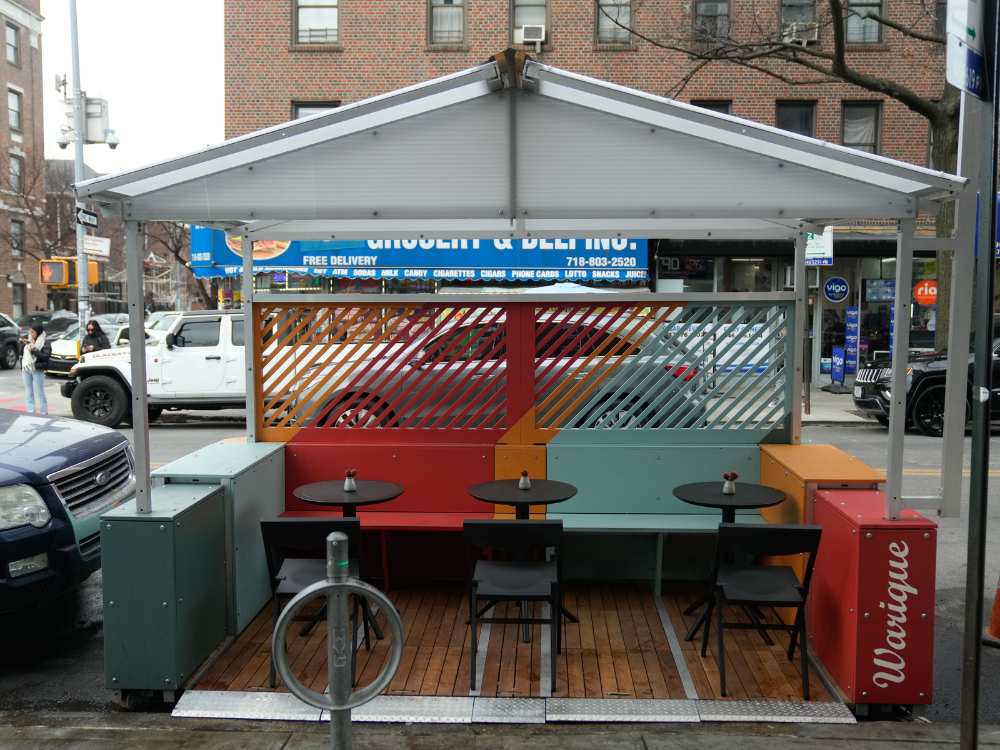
836 289
852 339
892 327
837 365
525 260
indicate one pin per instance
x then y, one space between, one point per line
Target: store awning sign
819 248
212 254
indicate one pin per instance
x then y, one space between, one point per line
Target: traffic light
53 273
62 272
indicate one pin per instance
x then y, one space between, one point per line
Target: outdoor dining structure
622 399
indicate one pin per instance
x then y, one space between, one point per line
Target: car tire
382 416
608 414
882 420
100 399
9 359
928 411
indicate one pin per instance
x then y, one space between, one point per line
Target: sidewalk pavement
827 408
124 731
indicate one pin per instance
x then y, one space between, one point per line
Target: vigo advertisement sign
836 289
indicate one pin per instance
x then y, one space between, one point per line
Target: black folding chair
753 586
285 539
519 580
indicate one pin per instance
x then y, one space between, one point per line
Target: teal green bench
628 489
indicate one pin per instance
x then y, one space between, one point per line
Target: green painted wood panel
640 478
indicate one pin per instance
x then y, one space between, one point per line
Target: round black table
506 492
369 492
748 496
710 495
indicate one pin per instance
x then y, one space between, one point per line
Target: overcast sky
159 66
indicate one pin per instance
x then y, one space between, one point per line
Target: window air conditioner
799 33
812 277
529 34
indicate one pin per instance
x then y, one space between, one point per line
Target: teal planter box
252 478
164 587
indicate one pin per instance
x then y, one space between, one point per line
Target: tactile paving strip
220 704
776 712
415 709
601 709
508 711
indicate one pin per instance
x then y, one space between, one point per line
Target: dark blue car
56 478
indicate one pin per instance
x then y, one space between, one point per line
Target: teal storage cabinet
252 478
164 587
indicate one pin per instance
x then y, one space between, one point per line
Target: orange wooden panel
509 462
774 474
820 463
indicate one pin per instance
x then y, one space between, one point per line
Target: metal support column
137 355
798 337
982 385
960 315
900 353
251 348
338 639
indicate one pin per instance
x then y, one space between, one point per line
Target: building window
860 126
711 20
17 238
608 12
798 21
316 22
13 45
529 13
941 17
304 109
447 24
16 174
14 109
796 117
861 30
17 307
722 106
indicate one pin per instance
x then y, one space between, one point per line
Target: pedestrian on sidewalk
34 358
95 340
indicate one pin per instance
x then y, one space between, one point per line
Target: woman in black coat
95 340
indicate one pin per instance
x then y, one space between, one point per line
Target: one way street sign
87 218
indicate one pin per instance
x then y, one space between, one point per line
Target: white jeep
196 363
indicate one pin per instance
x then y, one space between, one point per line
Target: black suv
925 381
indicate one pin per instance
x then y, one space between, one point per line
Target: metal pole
900 353
798 336
251 343
338 639
82 270
137 355
960 315
981 390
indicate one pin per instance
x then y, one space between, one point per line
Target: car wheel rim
358 417
98 403
932 413
11 358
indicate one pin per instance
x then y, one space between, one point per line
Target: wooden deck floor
618 650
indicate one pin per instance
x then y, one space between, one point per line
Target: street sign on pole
100 246
86 218
964 62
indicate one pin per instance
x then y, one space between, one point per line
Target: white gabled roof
562 155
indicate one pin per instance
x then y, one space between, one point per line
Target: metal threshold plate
776 712
415 709
508 711
603 709
221 704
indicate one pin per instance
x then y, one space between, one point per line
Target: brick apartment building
288 58
23 176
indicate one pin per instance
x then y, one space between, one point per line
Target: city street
58 664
